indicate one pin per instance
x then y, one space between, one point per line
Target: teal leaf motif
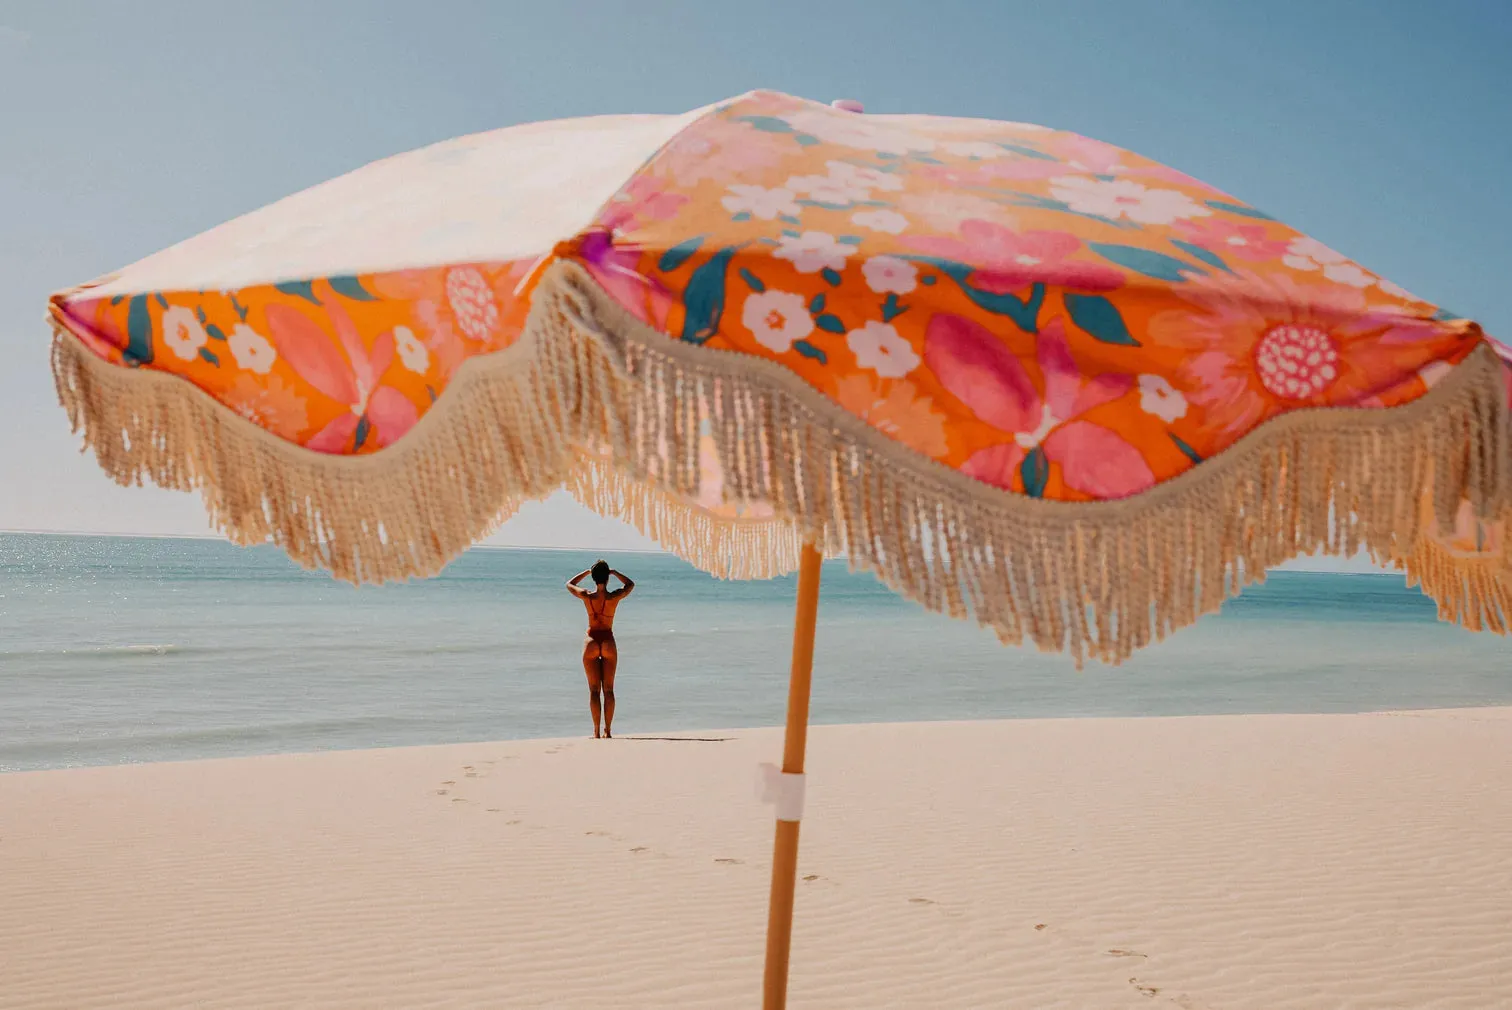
139 331
831 277
806 140
1035 471
209 355
789 219
431 392
1240 209
891 309
752 281
1445 316
162 302
744 215
363 427
808 350
1206 255
304 289
1026 151
679 254
350 287
215 332
199 313
766 124
849 239
817 305
1025 314
1100 318
790 233
704 297
1186 450
829 323
117 299
241 310
1145 261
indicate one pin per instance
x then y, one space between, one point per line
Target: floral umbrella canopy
1019 374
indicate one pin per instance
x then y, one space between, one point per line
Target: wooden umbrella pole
785 848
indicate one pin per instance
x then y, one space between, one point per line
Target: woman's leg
593 667
609 654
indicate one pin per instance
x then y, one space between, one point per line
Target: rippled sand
1250 861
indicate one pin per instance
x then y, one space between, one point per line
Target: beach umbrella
1022 376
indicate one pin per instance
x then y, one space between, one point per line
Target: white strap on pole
781 789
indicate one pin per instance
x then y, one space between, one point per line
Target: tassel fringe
593 399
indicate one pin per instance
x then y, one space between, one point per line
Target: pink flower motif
718 149
353 378
641 201
1229 238
1006 260
975 365
1257 346
1091 156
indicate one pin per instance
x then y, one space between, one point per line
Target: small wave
98 652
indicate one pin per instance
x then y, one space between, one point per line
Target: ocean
117 649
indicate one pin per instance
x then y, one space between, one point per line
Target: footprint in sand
1145 990
811 876
640 848
920 901
442 792
730 862
458 799
1040 925
1120 952
511 822
493 810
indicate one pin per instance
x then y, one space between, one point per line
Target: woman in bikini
600 654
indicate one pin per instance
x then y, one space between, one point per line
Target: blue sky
1378 127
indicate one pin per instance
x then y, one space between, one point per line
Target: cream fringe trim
587 384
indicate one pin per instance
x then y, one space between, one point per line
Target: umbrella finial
847 105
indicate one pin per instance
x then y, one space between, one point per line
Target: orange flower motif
268 403
460 310
896 409
1257 346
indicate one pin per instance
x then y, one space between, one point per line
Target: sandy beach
1248 861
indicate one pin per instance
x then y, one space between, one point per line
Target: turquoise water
122 649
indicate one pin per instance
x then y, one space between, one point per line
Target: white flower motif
412 352
881 348
1123 198
889 222
828 189
472 302
1309 254
867 178
889 273
183 333
1396 290
813 251
777 319
1159 397
860 132
760 202
251 349
1348 273
981 149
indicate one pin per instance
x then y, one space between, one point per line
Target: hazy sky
1382 127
